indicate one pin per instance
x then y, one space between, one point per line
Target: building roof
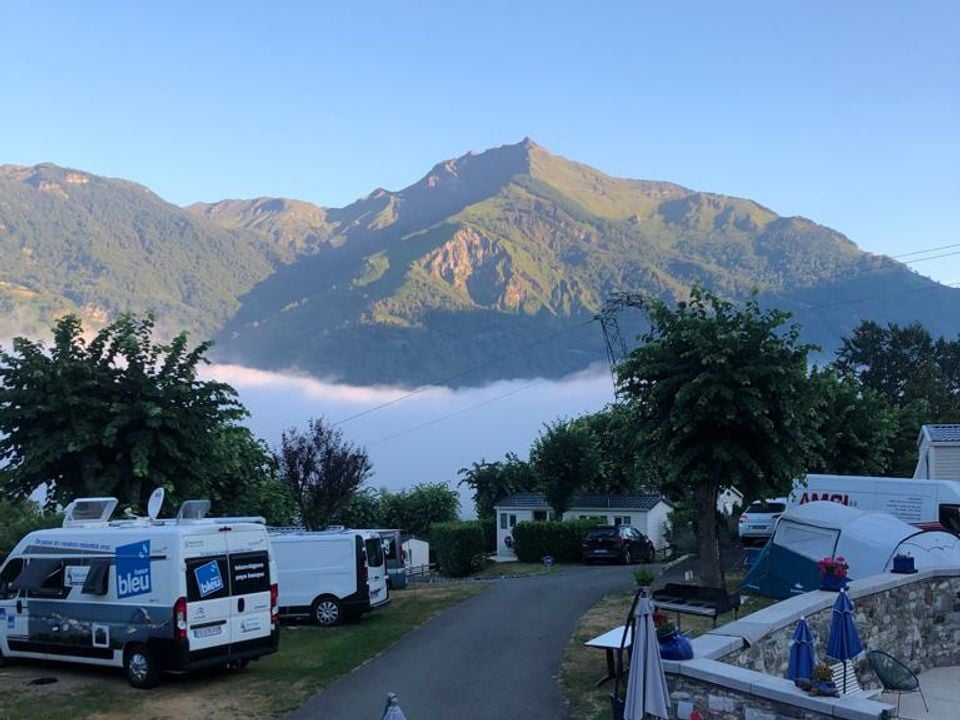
586 502
941 433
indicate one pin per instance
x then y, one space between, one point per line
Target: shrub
19 517
489 527
458 547
562 540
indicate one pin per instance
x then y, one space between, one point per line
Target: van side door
208 600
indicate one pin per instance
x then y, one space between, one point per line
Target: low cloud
421 435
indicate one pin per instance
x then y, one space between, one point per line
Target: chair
895 676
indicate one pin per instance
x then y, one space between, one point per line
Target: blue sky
845 112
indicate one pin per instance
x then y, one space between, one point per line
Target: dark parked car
620 542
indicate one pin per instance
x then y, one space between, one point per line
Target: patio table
610 641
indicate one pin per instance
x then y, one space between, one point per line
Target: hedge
562 540
458 547
489 526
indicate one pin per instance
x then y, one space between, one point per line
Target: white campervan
143 594
930 504
330 575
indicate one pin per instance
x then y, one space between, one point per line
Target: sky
844 112
847 113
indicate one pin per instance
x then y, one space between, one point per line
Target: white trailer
930 504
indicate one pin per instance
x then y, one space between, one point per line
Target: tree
856 427
625 465
564 459
722 394
19 517
321 470
492 482
362 511
416 509
118 415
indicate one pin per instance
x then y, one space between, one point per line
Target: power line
461 411
921 252
460 374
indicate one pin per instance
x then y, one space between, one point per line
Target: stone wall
918 623
727 704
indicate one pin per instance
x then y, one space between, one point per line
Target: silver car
759 520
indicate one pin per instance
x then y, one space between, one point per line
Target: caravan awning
35 574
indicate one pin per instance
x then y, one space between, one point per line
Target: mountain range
490 267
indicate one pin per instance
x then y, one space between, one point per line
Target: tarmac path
495 656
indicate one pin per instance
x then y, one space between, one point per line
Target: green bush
458 547
489 527
562 540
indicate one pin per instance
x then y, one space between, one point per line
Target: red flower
833 566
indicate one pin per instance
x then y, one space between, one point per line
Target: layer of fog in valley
426 436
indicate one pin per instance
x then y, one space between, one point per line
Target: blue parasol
843 642
802 655
392 711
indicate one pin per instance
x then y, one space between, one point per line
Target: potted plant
823 681
833 573
643 577
903 563
673 645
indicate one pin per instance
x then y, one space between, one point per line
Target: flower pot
904 565
832 583
825 688
675 646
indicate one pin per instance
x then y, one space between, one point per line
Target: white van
143 594
929 504
329 575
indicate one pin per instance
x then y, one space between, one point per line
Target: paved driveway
493 657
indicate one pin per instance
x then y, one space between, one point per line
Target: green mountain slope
490 252
76 242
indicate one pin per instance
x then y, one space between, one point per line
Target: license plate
600 551
208 631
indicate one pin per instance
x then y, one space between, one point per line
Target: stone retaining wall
726 704
918 623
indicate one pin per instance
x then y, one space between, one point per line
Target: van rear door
249 585
208 594
376 569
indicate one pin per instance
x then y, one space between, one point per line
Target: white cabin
650 514
939 453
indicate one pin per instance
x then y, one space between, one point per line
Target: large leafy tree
419 507
321 470
491 482
118 415
722 395
564 459
856 427
625 464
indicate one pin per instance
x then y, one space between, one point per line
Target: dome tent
867 540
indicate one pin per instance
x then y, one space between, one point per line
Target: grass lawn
582 667
309 658
496 570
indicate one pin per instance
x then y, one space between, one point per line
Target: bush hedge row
459 547
489 526
561 540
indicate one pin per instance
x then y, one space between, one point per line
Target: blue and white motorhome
143 594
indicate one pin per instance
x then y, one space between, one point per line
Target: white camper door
208 594
249 585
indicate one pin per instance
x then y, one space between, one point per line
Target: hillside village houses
649 513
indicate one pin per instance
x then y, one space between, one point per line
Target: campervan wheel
327 611
140 667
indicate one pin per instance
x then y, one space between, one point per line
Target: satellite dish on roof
155 503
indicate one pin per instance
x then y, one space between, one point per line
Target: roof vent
89 511
193 510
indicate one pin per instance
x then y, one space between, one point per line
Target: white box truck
329 575
143 594
928 504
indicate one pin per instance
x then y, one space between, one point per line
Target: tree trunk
708 542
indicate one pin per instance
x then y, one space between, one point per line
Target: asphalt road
493 657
